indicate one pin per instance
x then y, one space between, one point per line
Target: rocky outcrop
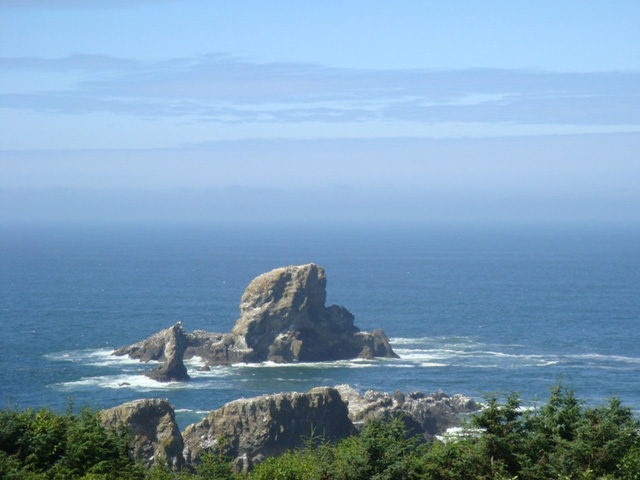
283 318
152 425
175 344
151 348
250 430
217 348
425 415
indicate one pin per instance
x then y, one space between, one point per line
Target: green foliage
42 444
215 465
161 471
382 451
297 465
560 440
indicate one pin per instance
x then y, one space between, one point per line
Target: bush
43 444
296 465
382 451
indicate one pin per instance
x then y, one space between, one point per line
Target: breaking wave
102 357
465 352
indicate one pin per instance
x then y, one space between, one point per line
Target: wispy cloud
218 88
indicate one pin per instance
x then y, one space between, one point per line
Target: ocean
470 310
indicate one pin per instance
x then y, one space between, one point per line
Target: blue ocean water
469 310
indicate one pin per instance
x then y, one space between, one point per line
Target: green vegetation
562 439
40 444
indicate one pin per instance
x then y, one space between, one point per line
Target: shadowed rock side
256 428
175 344
283 318
152 425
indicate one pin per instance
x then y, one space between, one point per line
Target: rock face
175 344
283 318
256 428
250 430
151 423
425 415
151 348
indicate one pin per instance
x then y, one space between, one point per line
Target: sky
334 111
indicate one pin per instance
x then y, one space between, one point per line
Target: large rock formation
424 415
174 342
152 425
283 318
249 430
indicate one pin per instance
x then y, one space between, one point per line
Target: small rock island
283 318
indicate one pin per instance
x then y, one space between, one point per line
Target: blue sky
161 110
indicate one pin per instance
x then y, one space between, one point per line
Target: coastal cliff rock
250 430
155 434
283 318
425 415
175 344
256 428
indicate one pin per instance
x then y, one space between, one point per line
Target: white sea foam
102 357
409 341
140 383
548 363
481 358
187 410
604 358
425 350
433 364
194 362
355 363
427 355
213 372
456 342
136 382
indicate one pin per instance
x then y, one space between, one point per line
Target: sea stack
175 344
283 318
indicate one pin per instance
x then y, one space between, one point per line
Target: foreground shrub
296 465
43 444
562 440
